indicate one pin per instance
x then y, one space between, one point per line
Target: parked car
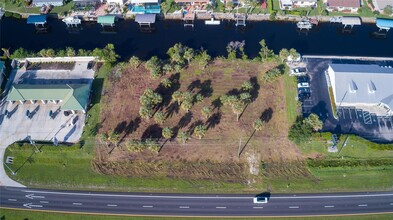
298 71
304 90
260 199
302 79
303 85
303 96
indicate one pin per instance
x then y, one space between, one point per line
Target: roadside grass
356 147
334 179
70 167
10 214
290 98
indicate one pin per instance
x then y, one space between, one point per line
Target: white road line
221 207
329 206
293 207
207 197
147 206
184 207
12 200
44 202
77 203
111 205
363 205
257 207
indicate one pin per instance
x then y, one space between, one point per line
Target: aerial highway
195 204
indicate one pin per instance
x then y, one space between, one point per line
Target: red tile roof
344 3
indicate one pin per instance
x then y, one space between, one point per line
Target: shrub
318 163
300 132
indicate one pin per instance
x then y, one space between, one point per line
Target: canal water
326 39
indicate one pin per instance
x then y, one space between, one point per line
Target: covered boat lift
350 21
38 20
384 24
145 21
106 20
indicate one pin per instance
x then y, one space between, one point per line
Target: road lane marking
391 203
363 205
329 206
207 197
44 202
257 207
77 203
30 205
32 196
221 207
147 206
111 205
184 207
293 207
12 200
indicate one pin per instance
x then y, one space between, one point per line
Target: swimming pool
148 9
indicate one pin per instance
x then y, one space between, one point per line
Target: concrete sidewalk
4 179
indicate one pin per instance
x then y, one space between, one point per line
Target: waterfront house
2 71
40 3
192 2
145 7
85 3
363 86
351 6
115 2
379 5
289 4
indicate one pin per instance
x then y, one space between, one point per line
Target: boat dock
240 20
145 21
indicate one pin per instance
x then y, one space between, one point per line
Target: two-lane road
195 205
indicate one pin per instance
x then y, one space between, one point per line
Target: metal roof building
351 21
72 97
366 85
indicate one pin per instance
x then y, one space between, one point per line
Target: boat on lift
304 24
212 21
72 20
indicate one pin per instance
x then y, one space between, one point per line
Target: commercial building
367 87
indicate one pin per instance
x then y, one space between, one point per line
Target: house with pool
144 7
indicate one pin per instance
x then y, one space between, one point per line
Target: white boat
72 20
212 22
304 24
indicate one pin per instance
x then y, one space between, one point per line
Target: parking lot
350 119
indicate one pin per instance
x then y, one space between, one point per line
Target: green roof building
73 97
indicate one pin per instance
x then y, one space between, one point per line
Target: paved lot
16 126
350 120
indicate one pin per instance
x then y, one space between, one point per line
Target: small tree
314 122
247 86
154 66
284 53
50 52
237 108
167 133
182 137
203 59
70 52
167 83
159 117
258 124
145 112
200 131
177 96
293 54
206 112
134 62
265 53
388 10
245 97
189 54
176 53
186 105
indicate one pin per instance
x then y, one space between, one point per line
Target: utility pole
33 143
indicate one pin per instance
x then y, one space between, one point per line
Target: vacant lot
216 155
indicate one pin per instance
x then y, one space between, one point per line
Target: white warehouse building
364 86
